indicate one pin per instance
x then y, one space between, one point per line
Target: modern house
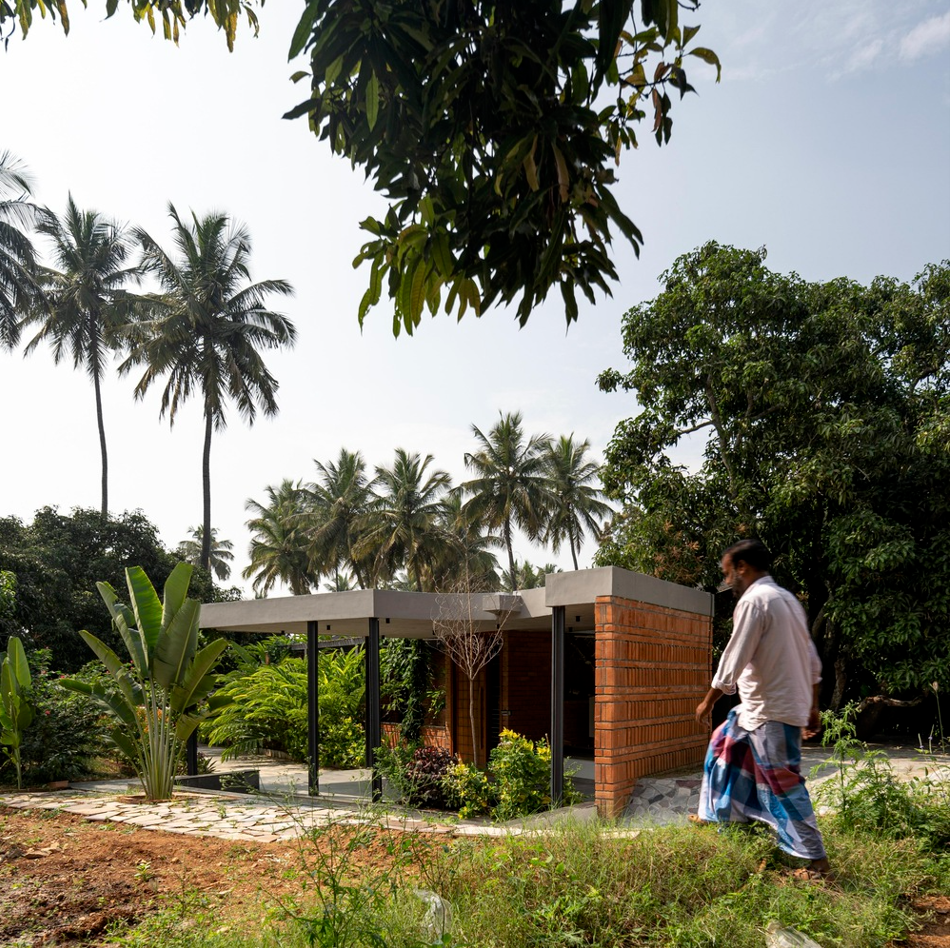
609 665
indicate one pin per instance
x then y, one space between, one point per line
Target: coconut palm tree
575 505
339 500
278 549
206 330
529 576
402 526
19 289
87 308
468 558
509 488
221 556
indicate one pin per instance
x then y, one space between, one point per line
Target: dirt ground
64 880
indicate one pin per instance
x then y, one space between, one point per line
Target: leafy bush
69 732
867 796
522 772
516 783
342 743
268 710
470 790
417 774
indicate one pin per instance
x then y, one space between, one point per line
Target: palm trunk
570 538
512 572
206 492
102 447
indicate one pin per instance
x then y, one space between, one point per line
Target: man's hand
814 724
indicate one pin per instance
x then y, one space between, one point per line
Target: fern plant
268 710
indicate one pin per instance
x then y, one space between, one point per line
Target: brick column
652 669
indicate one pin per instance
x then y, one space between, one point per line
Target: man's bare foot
697 820
821 866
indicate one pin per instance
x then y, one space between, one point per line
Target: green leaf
16 657
175 591
108 658
146 606
418 292
199 681
372 99
304 28
708 56
176 646
442 255
333 71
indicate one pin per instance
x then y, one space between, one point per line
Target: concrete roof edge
585 586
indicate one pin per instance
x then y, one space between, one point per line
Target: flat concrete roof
587 585
411 614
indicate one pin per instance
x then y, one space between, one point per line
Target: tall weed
868 796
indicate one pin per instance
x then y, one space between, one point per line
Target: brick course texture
652 669
432 735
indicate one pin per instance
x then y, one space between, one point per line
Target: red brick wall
432 736
652 669
526 684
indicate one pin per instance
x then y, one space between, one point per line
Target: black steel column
313 709
557 705
374 717
191 754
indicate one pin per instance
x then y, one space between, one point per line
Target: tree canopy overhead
826 412
493 129
173 14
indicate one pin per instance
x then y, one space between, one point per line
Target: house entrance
579 689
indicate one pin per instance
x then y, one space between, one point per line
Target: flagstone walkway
283 813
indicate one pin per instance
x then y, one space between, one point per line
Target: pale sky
828 141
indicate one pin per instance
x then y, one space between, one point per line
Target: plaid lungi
756 776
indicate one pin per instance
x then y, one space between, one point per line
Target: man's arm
814 717
746 632
704 708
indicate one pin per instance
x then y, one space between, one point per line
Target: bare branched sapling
470 629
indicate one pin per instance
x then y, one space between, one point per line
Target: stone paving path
267 818
223 816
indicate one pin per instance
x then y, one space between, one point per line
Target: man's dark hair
753 552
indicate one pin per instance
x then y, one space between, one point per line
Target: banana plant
16 712
159 696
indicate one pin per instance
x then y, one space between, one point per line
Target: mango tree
160 695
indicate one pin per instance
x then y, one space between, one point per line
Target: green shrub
417 774
867 796
268 710
522 773
470 791
516 783
342 743
69 732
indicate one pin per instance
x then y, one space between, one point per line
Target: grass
585 884
578 885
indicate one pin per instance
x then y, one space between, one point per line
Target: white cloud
864 57
926 38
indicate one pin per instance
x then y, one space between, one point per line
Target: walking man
752 770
